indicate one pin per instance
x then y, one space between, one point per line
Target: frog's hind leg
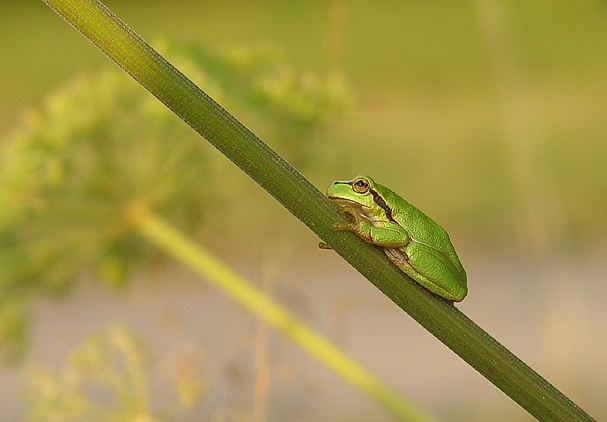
398 257
401 260
429 268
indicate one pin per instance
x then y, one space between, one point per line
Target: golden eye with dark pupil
360 185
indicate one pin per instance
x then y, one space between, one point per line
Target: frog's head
356 196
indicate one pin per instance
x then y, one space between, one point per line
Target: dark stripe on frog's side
381 203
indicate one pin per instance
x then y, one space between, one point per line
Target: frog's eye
360 185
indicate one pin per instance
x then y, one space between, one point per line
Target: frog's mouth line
355 209
347 202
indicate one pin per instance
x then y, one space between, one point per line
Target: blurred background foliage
488 115
102 146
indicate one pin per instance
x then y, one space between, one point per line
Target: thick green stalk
307 203
188 252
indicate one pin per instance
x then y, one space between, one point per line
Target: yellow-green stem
188 252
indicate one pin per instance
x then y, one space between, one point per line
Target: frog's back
421 228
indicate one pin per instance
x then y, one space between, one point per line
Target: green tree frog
416 244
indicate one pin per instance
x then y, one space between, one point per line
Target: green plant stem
290 188
188 252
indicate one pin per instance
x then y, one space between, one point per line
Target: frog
411 240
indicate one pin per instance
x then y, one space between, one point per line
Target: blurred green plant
105 379
71 173
298 105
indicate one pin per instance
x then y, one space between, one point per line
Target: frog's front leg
385 234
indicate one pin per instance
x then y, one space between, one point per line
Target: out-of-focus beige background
488 115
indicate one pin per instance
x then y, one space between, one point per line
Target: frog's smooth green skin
415 243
